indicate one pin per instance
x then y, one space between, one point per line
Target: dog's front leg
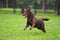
26 26
32 26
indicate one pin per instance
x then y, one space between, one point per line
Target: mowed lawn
12 25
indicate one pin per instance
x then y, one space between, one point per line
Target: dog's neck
30 16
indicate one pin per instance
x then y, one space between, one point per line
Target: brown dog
33 21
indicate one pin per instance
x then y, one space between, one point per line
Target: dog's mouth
25 16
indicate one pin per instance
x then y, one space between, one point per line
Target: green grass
12 25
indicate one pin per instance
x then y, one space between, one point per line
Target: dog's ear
25 9
28 9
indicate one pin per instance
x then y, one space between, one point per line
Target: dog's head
26 12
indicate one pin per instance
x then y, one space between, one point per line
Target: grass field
12 25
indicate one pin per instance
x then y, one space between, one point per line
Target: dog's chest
30 23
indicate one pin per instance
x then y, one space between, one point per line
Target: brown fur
33 21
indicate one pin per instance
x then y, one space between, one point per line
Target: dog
33 21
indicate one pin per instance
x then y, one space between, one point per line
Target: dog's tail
45 19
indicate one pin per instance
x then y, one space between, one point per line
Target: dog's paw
31 28
24 28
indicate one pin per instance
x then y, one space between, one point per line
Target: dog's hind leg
43 28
